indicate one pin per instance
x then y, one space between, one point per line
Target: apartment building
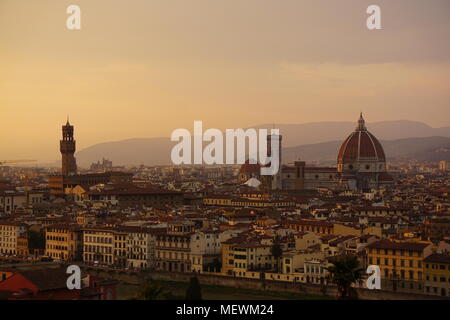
11 200
401 264
247 256
64 242
140 247
205 250
12 236
173 252
98 245
120 248
437 274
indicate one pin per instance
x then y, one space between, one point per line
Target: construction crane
2 162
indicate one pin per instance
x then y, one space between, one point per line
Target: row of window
98 239
402 274
395 252
172 255
99 249
437 266
393 262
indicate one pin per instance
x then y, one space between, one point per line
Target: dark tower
67 147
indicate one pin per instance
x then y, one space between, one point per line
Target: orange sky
143 68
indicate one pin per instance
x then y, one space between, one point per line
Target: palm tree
151 291
344 271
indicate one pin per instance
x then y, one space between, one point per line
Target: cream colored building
98 245
205 249
10 235
140 247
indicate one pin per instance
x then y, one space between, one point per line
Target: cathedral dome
361 145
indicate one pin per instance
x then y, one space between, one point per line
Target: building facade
401 264
64 242
11 237
437 274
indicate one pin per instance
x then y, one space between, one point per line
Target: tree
194 291
277 252
151 291
344 272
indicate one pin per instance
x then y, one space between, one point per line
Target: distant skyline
147 67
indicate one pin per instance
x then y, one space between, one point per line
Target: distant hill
422 149
149 151
317 132
156 151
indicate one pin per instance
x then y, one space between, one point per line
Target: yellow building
22 245
63 242
247 257
437 274
12 236
401 264
227 258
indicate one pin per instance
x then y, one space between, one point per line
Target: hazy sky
142 68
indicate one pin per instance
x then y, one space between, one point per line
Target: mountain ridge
312 141
133 152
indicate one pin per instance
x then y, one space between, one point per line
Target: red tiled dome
361 145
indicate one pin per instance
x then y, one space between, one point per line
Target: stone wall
266 285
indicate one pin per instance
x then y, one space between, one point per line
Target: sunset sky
142 68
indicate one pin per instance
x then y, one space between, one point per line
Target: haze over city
147 68
225 157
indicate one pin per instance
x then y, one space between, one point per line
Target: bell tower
67 148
